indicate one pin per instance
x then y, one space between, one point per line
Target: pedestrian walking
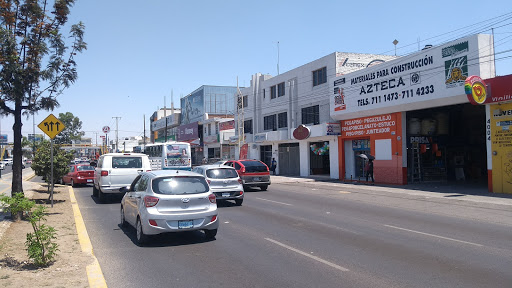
273 166
369 170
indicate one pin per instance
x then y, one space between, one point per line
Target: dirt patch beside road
69 269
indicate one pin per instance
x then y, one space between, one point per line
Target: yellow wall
501 147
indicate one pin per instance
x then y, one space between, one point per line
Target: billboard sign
188 132
429 78
3 139
192 107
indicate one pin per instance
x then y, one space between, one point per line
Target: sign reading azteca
431 77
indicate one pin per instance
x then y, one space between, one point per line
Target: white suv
116 170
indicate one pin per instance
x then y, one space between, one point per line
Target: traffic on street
314 234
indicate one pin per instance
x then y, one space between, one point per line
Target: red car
252 173
79 174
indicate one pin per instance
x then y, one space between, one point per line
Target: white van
116 170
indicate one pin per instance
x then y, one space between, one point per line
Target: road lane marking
344 192
94 273
308 255
275 202
432 235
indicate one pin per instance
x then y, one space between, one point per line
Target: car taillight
242 170
212 198
152 222
209 181
240 181
104 173
214 218
241 193
150 201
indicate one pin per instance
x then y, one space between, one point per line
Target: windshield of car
221 173
126 162
85 168
180 185
254 166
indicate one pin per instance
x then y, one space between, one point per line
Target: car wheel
141 237
94 191
264 187
101 196
239 202
72 183
123 220
210 234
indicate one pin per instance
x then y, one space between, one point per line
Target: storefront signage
493 90
172 120
366 126
260 137
227 125
188 132
333 129
302 132
211 139
3 138
425 79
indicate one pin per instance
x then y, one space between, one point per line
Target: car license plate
256 179
185 224
89 180
225 195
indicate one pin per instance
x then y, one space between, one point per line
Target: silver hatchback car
169 201
224 182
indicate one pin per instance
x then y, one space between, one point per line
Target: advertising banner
227 125
188 132
429 78
369 126
3 139
192 107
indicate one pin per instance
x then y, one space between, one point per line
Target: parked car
79 174
7 161
28 161
252 172
224 182
169 201
116 170
2 166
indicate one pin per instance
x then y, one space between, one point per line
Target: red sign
302 132
498 89
243 151
227 125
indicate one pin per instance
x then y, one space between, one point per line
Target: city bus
169 155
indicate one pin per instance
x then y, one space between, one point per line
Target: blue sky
140 51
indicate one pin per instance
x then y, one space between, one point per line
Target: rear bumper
170 223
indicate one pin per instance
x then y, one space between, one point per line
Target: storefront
413 116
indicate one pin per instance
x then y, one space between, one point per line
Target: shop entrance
447 144
289 159
266 154
319 158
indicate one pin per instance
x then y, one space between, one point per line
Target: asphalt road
315 235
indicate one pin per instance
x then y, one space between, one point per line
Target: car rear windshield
85 168
221 173
126 162
180 185
254 166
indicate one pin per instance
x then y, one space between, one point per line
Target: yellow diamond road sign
51 126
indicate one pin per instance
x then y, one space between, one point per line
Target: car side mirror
124 189
94 164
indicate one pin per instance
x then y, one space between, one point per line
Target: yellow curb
94 273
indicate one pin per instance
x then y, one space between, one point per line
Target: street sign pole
51 178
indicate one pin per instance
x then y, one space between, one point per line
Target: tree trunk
17 155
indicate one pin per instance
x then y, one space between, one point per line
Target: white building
216 138
273 107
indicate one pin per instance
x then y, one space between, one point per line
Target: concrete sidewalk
472 192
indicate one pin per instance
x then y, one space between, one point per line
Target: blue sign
3 139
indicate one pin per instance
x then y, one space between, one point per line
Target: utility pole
117 130
144 139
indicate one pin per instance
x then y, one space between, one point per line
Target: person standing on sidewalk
273 166
369 170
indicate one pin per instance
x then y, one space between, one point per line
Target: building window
280 89
311 115
263 93
210 129
216 128
248 126
269 122
282 120
273 92
319 76
246 101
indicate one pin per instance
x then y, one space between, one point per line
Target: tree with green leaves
42 161
36 62
72 129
